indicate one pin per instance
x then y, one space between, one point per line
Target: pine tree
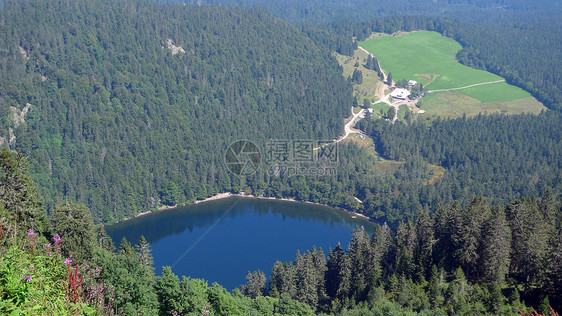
425 242
377 250
435 288
126 249
169 293
443 234
370 63
255 284
320 268
497 299
391 113
530 237
23 206
73 223
343 293
497 246
554 268
358 252
387 248
306 280
357 76
144 252
336 259
457 295
550 212
468 236
406 240
104 241
282 279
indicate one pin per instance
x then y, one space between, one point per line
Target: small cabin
412 83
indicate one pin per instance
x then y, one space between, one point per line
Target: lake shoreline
225 195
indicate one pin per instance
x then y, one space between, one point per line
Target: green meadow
429 58
368 88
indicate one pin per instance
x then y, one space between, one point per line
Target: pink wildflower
56 239
47 246
31 233
68 261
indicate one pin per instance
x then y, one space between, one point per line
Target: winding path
348 127
470 86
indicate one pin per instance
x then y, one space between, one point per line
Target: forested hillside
514 39
459 261
131 102
111 108
323 12
498 156
123 120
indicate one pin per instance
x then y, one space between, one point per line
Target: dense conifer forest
117 119
122 124
111 108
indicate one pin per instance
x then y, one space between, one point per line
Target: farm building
401 94
412 83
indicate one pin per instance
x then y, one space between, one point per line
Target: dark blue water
222 240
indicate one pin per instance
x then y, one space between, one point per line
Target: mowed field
429 58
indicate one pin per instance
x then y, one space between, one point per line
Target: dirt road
348 128
470 86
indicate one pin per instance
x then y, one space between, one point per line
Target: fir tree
169 293
73 223
126 249
104 241
23 206
425 243
335 263
144 252
496 247
255 284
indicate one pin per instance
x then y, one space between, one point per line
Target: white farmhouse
412 83
401 94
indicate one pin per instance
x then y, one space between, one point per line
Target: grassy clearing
438 172
378 107
360 140
496 92
368 88
380 165
402 112
429 58
428 55
455 104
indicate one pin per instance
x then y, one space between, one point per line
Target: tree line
458 261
